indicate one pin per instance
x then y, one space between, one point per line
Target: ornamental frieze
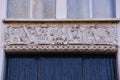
62 48
60 34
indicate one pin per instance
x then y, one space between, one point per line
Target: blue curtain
61 68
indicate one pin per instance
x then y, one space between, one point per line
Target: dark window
61 67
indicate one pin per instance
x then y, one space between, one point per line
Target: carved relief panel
61 33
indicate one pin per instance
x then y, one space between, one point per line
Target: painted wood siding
85 67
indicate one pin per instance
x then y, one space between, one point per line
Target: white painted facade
3 8
2 54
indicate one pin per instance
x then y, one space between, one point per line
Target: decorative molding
61 48
59 37
61 34
110 20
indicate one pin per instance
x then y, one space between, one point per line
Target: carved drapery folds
59 34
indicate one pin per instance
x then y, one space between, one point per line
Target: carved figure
60 34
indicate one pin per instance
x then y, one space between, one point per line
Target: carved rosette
60 37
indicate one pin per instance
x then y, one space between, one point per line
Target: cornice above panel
114 20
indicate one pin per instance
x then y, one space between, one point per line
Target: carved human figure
42 35
90 35
17 35
31 32
51 34
13 36
75 34
23 36
104 34
59 35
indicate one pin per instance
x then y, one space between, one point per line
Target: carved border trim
61 48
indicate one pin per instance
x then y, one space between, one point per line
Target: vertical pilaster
118 53
3 8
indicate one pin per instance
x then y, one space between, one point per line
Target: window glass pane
44 9
18 8
78 8
103 8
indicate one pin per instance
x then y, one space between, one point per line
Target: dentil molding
61 48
